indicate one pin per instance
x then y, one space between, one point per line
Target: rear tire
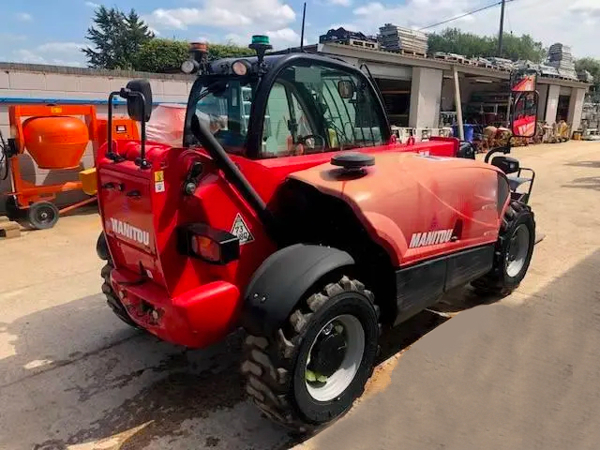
514 250
43 215
112 299
281 378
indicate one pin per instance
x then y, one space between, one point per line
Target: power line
464 15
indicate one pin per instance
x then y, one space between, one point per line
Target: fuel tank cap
352 160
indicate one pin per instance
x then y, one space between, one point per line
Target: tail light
211 245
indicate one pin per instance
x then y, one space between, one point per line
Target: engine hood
406 194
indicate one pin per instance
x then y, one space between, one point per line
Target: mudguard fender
281 282
102 248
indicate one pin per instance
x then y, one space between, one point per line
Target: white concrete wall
426 98
552 108
52 85
576 108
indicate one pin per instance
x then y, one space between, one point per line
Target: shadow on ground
592 183
146 383
589 164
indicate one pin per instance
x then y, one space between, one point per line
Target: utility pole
501 36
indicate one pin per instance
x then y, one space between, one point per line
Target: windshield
223 105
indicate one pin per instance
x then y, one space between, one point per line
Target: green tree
229 50
116 38
453 40
592 65
161 55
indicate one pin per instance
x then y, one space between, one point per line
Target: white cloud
574 25
11 37
229 14
24 17
58 53
27 56
341 2
92 5
586 8
284 36
30 57
60 47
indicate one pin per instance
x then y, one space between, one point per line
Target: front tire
514 250
317 365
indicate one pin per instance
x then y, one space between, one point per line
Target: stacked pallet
502 63
585 76
343 36
561 58
394 38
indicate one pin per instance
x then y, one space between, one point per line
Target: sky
53 31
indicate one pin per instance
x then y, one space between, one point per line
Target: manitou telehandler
290 210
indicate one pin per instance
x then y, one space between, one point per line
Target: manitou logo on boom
431 238
130 232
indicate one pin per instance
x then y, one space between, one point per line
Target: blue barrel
469 132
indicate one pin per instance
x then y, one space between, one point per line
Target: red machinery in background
56 137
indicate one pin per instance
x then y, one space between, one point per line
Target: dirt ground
521 373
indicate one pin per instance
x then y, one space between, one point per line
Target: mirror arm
110 154
127 93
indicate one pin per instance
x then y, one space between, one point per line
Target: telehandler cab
291 210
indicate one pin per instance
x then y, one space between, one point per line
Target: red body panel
405 195
186 300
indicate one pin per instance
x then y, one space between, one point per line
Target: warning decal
159 181
241 230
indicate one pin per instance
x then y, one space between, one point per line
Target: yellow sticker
159 175
55 110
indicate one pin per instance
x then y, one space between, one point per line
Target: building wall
552 104
576 108
426 97
46 84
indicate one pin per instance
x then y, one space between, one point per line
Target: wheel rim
344 329
517 251
44 216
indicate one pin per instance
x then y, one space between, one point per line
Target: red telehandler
290 210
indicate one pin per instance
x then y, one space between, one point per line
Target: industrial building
420 92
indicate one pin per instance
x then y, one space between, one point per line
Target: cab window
316 108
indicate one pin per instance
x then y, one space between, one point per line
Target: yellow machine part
89 184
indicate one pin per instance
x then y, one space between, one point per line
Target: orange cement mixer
56 137
56 142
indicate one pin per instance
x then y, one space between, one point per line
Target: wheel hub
328 354
334 358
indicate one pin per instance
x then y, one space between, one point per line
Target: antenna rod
302 33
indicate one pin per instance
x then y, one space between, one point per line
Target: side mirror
346 89
506 164
524 115
138 94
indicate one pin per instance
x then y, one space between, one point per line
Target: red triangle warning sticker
241 230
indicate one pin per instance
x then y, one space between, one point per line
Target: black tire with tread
269 364
497 281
